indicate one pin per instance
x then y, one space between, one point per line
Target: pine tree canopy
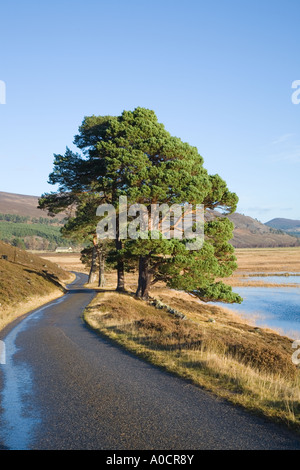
133 155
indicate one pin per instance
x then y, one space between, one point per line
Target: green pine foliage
31 233
133 155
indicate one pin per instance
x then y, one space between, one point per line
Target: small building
64 249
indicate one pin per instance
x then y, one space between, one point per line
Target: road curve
64 387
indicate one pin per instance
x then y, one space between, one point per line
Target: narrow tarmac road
64 387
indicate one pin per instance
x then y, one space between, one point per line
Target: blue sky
218 74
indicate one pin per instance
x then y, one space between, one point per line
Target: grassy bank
26 282
212 347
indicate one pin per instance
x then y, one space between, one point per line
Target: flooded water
277 308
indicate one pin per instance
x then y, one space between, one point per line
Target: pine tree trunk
93 270
121 277
101 261
120 270
145 278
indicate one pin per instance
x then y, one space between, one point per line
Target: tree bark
120 270
93 270
145 278
101 261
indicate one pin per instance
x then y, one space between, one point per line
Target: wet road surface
64 387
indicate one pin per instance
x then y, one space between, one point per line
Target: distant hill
21 204
290 226
248 232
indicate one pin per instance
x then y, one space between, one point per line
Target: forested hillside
45 233
32 233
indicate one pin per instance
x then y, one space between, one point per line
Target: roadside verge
208 345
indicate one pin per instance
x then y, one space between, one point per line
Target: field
264 262
249 260
268 260
66 261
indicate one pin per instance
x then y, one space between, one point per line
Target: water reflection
20 415
277 308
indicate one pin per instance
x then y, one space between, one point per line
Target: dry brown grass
249 260
264 261
268 260
67 261
213 347
11 312
26 282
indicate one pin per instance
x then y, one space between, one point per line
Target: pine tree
133 155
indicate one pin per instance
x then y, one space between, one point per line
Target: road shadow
48 277
81 290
